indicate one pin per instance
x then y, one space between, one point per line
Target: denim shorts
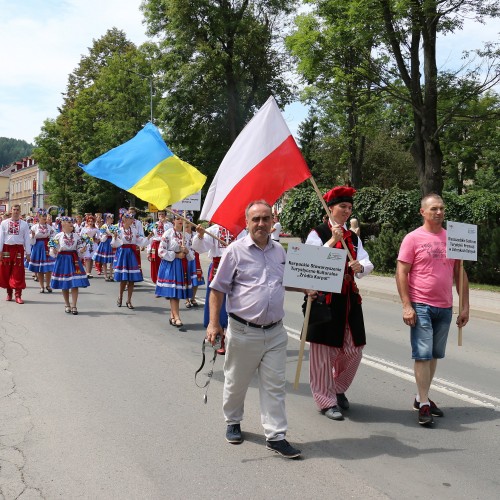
430 333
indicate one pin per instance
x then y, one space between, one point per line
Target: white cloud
43 42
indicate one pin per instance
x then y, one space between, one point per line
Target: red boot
9 295
19 299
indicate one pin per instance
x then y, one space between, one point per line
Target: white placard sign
192 202
315 268
461 241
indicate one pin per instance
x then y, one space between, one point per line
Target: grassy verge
472 286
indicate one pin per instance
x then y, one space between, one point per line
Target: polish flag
263 162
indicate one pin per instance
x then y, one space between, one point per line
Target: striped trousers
332 370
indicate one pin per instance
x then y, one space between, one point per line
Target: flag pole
187 220
305 326
303 337
325 206
460 298
184 220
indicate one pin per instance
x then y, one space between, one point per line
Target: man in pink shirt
425 281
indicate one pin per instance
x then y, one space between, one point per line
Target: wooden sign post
461 244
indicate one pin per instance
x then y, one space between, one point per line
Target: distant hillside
13 149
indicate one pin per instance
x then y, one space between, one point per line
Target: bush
487 267
386 216
383 251
368 204
301 212
400 209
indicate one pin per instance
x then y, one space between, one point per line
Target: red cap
339 194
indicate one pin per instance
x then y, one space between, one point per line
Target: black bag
320 310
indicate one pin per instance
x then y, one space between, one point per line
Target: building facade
26 182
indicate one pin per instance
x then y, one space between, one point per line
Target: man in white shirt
14 242
250 273
276 230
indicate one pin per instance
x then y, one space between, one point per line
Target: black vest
344 309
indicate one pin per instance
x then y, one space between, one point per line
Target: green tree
328 59
219 61
13 149
470 146
397 42
107 102
307 135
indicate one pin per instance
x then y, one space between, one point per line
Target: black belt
253 325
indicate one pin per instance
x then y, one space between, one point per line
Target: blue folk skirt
206 312
104 253
68 272
40 260
174 280
196 272
125 265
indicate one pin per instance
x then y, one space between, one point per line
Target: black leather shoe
283 448
233 434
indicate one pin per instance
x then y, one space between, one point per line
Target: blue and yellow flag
145 167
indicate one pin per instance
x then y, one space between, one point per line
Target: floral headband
128 216
66 219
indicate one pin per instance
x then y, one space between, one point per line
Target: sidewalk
483 304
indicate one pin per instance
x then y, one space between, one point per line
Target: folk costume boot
19 299
9 294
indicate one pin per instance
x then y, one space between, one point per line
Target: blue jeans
430 333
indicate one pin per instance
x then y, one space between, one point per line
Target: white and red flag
263 162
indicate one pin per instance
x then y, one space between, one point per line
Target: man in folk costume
336 346
14 242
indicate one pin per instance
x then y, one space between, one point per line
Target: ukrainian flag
145 167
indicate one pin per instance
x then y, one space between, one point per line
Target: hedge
385 216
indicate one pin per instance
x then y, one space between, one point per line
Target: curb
394 297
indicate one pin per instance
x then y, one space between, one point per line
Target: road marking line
441 385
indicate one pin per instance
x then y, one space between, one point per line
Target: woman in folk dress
69 273
159 229
174 281
104 254
41 262
195 270
91 232
127 269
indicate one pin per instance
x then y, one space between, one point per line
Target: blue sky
43 40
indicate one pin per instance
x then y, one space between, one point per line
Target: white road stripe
444 386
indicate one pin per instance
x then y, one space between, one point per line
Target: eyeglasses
267 218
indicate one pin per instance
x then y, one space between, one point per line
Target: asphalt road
103 406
